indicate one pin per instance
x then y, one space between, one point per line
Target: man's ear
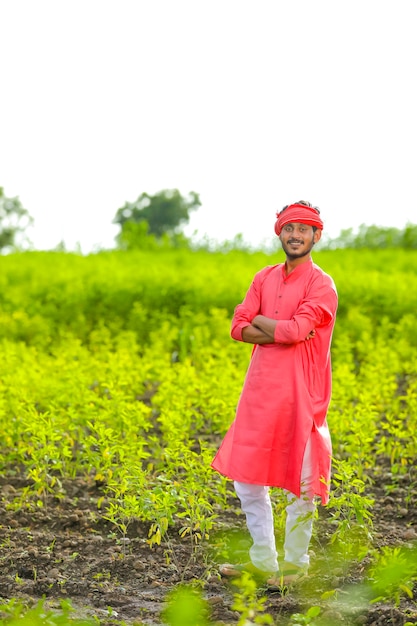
317 235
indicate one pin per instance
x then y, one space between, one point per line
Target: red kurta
287 388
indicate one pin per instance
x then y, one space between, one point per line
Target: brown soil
66 550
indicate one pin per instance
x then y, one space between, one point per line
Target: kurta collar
301 269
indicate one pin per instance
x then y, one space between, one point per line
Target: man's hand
311 334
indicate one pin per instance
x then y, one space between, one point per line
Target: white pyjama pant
256 504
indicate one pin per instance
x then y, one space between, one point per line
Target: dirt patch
65 550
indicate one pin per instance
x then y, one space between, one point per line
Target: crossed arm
261 331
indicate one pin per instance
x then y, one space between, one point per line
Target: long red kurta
287 388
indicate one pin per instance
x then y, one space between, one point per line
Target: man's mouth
295 243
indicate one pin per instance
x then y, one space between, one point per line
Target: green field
117 370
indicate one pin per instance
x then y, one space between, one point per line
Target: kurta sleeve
317 309
246 311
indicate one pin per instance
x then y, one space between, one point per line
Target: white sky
252 104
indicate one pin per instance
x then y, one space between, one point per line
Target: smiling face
298 240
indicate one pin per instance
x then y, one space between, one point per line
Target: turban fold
298 213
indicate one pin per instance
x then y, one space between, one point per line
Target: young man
280 437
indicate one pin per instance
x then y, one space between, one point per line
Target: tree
164 212
14 219
409 239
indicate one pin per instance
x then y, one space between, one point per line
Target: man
280 437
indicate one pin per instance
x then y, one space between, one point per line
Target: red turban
298 213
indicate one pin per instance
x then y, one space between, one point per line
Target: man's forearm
252 334
266 325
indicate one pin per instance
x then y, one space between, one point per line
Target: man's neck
291 264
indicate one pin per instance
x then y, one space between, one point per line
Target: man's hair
305 203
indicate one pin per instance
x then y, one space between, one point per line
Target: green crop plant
309 617
41 615
249 603
124 505
159 505
186 607
48 449
350 512
393 573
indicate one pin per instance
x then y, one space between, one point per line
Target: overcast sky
252 104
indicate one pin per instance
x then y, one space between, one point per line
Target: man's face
298 239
